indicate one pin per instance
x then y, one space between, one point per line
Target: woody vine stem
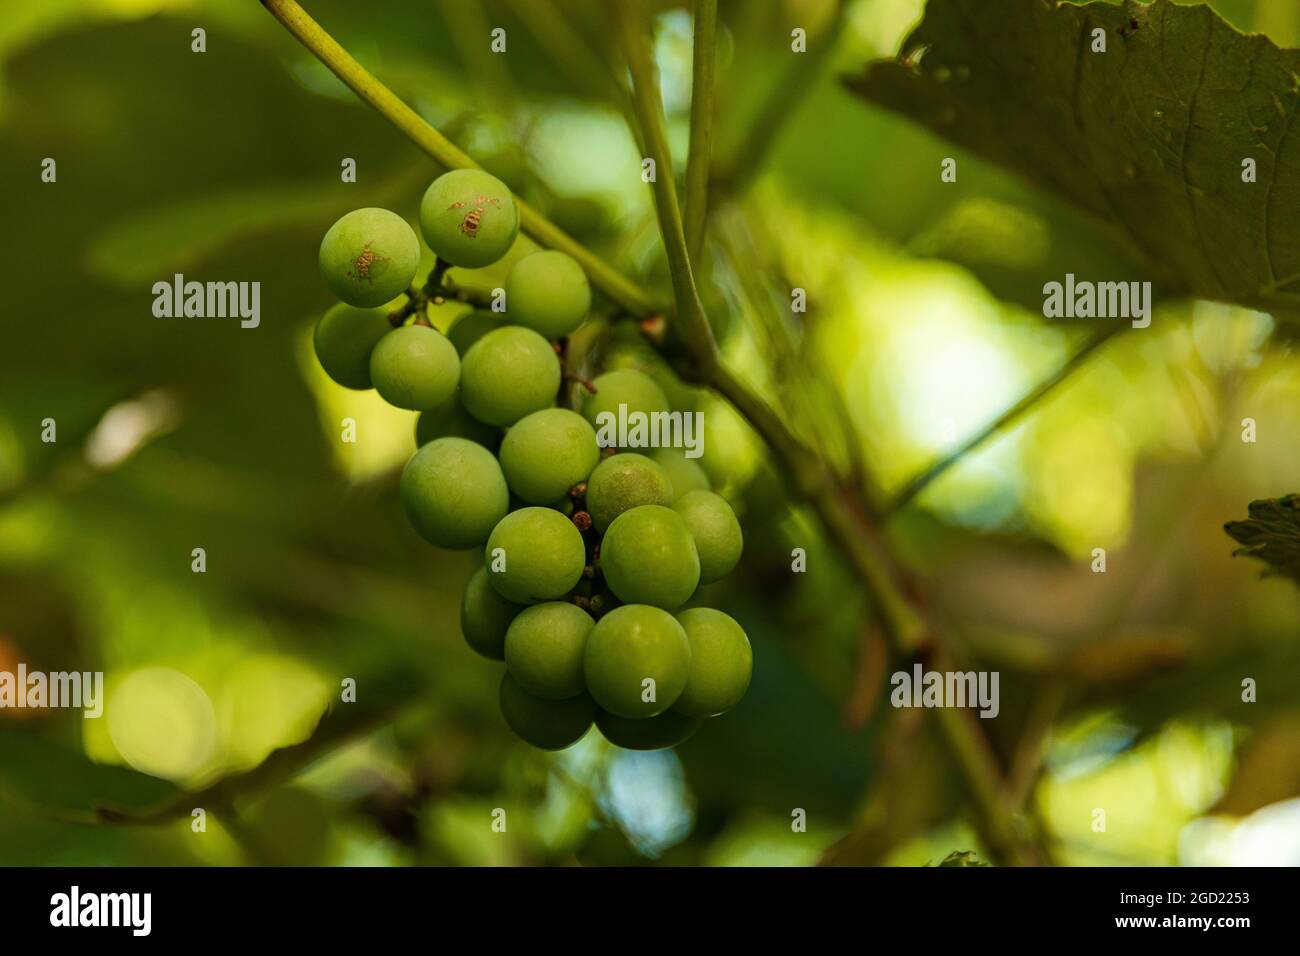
838 502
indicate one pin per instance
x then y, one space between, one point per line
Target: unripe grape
544 648
548 724
485 617
542 552
344 338
451 420
507 374
622 482
622 386
469 218
454 493
684 473
629 646
653 733
648 557
721 663
546 453
548 293
415 367
470 327
717 534
369 256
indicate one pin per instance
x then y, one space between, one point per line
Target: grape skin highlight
548 452
415 367
543 555
454 493
629 645
507 374
649 557
369 257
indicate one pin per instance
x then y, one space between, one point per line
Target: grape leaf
1149 136
1272 534
962 858
47 773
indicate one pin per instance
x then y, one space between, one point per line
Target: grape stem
922 481
586 383
476 296
617 287
697 162
692 325
416 300
838 504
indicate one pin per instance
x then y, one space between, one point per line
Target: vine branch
697 161
692 325
737 173
1040 391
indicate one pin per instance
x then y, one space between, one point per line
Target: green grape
548 293
544 648
415 367
648 557
622 482
548 724
469 218
369 256
454 493
684 473
485 617
721 663
717 534
623 386
546 453
472 326
451 420
508 373
344 338
652 733
534 554
628 646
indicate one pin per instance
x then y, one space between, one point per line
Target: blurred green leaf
138 249
59 779
379 698
1149 135
1271 534
962 858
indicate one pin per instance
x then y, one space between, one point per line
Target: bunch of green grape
590 554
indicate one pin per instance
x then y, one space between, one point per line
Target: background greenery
1119 690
